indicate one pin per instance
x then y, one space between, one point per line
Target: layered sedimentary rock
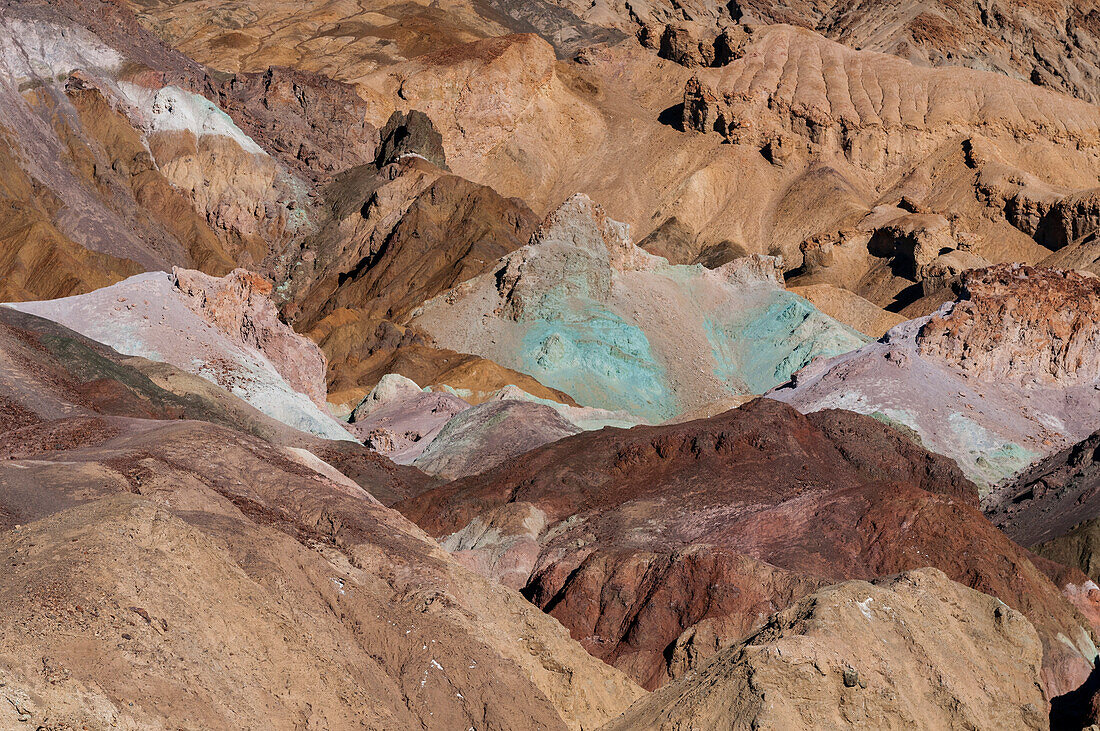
758 96
1053 44
659 546
584 310
222 330
912 651
1004 375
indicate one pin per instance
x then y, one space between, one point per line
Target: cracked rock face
1020 323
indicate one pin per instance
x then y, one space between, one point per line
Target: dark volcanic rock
664 544
411 133
1048 499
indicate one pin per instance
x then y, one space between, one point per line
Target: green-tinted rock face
585 311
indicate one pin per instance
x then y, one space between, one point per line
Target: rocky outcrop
482 437
1019 323
663 545
220 330
137 168
919 244
239 304
912 651
679 336
997 379
316 126
1059 495
411 134
450 232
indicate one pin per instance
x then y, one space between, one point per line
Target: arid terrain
493 365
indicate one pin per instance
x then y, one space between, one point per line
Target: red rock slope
659 545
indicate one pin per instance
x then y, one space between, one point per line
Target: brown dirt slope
913 651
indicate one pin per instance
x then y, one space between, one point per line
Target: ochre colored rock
915 650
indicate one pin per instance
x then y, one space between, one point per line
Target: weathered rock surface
1053 43
239 304
912 651
584 417
391 388
361 351
484 436
1006 374
410 133
1053 504
316 126
1020 324
664 544
403 428
217 329
792 79
123 503
118 163
584 310
450 232
849 308
242 550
